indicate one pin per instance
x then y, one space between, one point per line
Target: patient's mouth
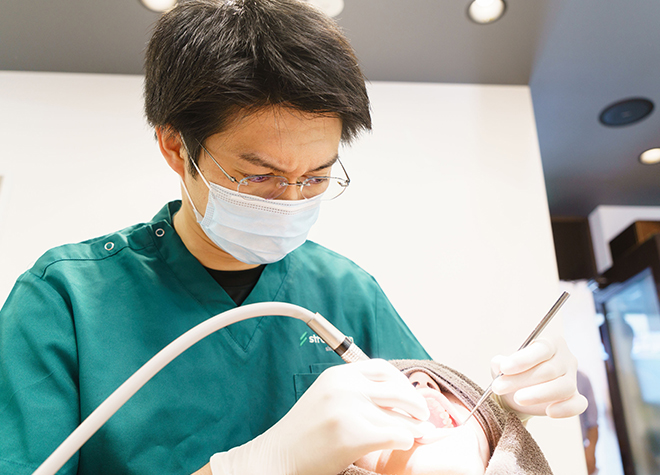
443 415
439 416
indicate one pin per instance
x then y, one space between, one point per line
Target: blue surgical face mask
252 229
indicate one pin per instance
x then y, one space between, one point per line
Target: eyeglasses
271 187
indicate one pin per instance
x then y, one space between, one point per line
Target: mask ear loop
189 156
183 184
185 189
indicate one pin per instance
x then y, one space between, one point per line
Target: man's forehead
276 113
282 140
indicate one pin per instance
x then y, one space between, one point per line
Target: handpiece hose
324 329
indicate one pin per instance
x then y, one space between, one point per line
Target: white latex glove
349 411
540 380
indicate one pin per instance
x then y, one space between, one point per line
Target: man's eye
258 179
315 180
415 384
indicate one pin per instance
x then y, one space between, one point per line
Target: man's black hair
210 59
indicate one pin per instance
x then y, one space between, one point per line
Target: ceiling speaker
626 112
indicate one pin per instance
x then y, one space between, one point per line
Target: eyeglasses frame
342 182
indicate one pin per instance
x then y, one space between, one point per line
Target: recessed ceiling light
626 112
159 6
329 7
650 157
486 11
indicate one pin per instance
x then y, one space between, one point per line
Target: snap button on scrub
160 232
109 246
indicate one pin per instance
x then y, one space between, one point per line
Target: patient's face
456 450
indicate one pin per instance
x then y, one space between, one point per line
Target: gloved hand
349 411
540 380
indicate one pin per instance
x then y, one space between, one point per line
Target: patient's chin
457 455
458 452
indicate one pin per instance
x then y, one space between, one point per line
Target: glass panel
633 316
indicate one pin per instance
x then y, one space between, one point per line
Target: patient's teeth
440 415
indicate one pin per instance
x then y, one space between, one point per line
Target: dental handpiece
340 344
537 331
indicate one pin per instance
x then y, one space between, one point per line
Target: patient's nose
421 380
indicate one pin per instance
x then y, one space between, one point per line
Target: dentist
249 100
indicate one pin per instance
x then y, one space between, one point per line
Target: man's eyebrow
328 164
255 159
258 161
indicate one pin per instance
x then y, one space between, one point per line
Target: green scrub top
88 315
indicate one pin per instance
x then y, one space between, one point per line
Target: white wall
606 222
79 161
447 205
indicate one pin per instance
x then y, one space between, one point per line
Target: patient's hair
209 59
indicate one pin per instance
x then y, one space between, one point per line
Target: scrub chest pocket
302 381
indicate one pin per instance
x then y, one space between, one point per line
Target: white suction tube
333 337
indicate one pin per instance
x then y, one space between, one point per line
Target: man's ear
172 149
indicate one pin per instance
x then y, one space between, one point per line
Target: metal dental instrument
537 331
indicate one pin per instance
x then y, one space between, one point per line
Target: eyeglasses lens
263 186
272 187
329 187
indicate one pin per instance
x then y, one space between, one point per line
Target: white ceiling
578 56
